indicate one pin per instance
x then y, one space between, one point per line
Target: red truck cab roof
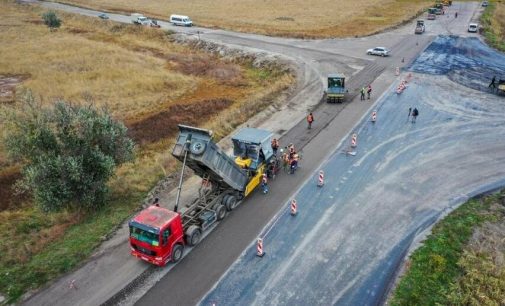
155 217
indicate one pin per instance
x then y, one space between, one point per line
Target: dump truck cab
336 88
157 235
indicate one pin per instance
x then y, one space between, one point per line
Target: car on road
432 13
419 27
155 24
381 51
103 16
181 20
473 27
484 3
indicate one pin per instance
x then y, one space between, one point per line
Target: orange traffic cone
259 248
293 207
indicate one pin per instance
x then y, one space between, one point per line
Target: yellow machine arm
255 180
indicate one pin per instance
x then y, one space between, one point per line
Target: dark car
103 16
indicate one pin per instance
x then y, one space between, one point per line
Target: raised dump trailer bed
208 160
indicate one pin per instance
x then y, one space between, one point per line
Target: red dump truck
159 235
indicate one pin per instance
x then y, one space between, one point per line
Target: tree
69 152
51 20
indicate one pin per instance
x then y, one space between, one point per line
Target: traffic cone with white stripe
320 181
259 248
293 208
354 141
374 116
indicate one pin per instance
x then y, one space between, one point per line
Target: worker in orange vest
310 119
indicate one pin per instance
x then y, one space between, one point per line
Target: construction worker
415 113
362 91
275 145
310 119
285 161
493 83
294 163
272 169
264 183
292 151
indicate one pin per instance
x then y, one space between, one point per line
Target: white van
181 20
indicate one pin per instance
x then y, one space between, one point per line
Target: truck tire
231 202
224 199
193 235
177 252
197 147
220 212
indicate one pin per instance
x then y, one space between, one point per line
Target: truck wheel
231 202
224 199
197 147
220 212
193 235
177 252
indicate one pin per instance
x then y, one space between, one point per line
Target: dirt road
113 269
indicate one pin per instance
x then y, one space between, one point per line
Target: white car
382 51
473 27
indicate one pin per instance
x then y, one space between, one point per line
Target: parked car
155 24
103 16
140 19
473 27
382 51
181 20
419 27
484 3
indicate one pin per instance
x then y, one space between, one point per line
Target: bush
69 152
51 20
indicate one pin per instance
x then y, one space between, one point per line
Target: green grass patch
434 268
493 24
62 255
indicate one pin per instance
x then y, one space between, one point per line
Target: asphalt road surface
349 236
189 281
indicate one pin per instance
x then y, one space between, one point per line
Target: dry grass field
146 81
294 18
143 78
